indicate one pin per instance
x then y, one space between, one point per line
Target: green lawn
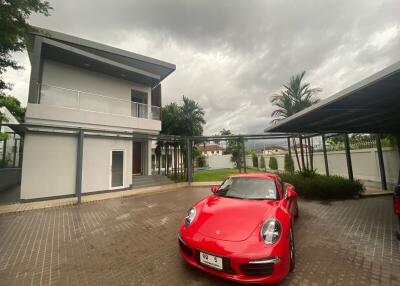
217 175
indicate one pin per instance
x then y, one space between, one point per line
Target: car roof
256 175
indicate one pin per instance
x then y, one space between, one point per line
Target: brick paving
132 241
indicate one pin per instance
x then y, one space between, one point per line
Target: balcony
85 101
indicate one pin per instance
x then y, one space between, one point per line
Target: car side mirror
214 189
290 192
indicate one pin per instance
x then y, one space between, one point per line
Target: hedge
262 163
273 163
289 164
323 187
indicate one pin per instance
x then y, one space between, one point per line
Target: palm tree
186 119
192 118
295 97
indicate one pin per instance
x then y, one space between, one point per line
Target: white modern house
80 84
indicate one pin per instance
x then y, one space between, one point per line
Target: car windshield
248 188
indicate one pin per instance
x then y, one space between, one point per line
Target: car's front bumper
237 258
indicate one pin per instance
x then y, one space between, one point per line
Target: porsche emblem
217 232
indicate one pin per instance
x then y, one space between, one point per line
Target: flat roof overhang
369 106
97 57
70 55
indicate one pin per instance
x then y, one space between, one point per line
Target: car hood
232 219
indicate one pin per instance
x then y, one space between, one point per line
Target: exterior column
381 163
348 157
290 156
149 162
4 149
310 153
79 164
149 115
244 156
189 160
14 151
325 155
302 153
398 149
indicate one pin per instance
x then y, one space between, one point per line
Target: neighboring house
298 148
83 84
273 150
10 148
210 149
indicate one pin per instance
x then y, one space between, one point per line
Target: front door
117 168
137 158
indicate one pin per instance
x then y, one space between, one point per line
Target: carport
369 106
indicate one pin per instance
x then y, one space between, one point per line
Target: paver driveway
133 241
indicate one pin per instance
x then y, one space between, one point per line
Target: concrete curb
204 184
376 194
21 207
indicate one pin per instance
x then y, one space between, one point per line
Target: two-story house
79 83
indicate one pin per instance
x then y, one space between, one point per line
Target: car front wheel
292 251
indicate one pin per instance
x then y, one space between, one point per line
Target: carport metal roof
369 106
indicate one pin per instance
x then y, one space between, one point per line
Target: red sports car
243 231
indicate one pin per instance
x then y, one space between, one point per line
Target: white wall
365 163
97 162
67 76
219 161
49 165
75 79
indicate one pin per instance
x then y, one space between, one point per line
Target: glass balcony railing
81 100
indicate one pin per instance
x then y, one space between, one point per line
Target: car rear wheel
292 251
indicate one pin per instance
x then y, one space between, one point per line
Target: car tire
292 250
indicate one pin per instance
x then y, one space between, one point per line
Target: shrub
255 161
201 161
308 173
262 163
289 165
323 187
273 163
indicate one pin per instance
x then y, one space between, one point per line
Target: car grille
186 249
258 269
226 264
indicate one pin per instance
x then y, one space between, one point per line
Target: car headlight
271 231
190 216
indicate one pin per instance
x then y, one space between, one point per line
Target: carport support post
380 160
244 156
189 160
79 161
4 149
290 155
348 157
302 153
325 155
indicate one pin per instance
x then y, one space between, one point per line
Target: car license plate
211 260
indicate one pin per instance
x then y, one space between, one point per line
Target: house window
139 103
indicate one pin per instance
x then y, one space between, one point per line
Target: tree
192 118
295 97
13 28
262 163
273 163
255 160
233 147
186 119
14 106
289 166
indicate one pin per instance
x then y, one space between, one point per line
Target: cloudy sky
232 55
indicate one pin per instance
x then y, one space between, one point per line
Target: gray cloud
232 55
